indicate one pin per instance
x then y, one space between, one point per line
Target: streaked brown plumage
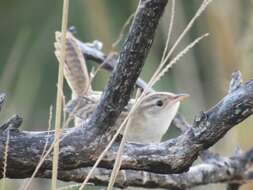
75 70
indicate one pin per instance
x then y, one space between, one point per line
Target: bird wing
83 106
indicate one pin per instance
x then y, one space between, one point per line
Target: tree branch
233 170
172 156
122 81
129 65
80 146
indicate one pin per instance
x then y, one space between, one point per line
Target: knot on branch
2 100
14 122
238 151
235 82
95 45
200 123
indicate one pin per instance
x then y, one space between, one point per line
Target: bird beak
180 97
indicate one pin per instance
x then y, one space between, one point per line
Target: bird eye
159 103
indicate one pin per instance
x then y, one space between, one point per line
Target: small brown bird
149 121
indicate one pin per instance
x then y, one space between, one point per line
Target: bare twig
235 82
14 122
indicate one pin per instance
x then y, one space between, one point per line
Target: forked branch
80 146
172 156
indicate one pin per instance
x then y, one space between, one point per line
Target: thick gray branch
129 65
80 146
233 170
172 156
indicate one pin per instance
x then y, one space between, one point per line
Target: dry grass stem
121 34
44 152
201 9
170 29
103 154
59 97
178 56
6 148
118 159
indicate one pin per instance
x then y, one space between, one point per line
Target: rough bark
233 170
129 65
80 146
172 156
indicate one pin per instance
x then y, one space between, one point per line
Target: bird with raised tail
150 119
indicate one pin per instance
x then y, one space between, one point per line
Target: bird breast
145 129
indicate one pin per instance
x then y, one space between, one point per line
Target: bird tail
75 70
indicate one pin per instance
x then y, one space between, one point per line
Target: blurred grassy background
28 69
